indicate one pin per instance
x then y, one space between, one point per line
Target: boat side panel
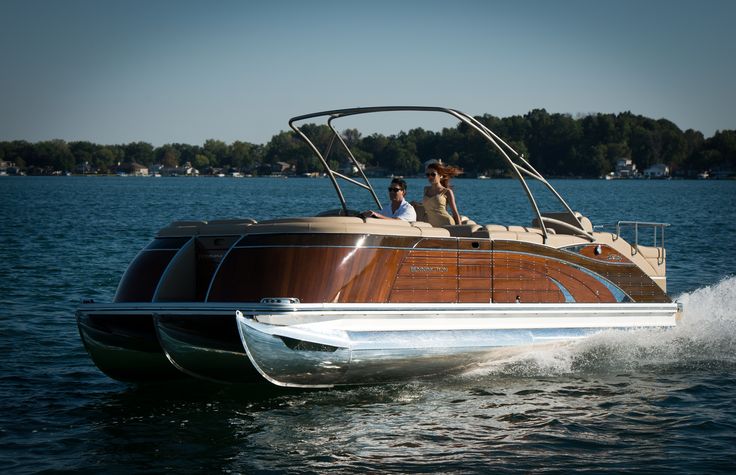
625 275
210 251
141 279
474 271
537 279
427 274
344 270
364 268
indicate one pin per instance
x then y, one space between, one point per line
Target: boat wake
705 338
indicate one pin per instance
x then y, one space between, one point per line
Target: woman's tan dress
436 209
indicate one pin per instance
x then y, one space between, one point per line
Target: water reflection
618 402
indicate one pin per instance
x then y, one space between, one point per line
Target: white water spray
704 338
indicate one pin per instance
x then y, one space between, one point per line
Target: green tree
694 141
201 161
287 147
83 152
724 142
218 153
139 152
245 156
401 161
18 151
187 153
375 146
168 156
54 155
106 157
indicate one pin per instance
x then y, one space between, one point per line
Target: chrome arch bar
519 166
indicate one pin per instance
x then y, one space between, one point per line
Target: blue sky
183 71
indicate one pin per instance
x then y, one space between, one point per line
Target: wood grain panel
474 296
309 274
414 296
474 268
356 268
607 254
627 276
583 287
529 278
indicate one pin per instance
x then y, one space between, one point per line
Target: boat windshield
532 182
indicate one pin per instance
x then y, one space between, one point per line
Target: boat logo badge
428 269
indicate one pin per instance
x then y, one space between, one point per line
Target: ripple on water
617 402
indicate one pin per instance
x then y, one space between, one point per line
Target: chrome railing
657 237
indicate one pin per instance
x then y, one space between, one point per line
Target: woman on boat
438 195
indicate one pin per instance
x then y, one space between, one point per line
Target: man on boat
397 207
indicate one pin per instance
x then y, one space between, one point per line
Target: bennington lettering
428 269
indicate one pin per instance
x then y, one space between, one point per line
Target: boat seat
434 232
231 228
422 215
419 208
182 228
462 230
563 240
205 228
421 224
565 218
343 225
650 259
428 230
317 219
233 221
509 233
648 252
516 236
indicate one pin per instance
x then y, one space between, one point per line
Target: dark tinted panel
140 280
167 243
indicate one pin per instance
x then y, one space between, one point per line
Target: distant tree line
555 144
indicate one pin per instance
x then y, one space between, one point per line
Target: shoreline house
184 170
348 168
626 168
4 166
658 170
86 168
132 169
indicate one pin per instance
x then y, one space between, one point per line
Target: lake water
650 402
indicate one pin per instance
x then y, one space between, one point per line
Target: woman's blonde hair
445 172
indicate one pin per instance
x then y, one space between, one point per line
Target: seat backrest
565 218
419 208
462 230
